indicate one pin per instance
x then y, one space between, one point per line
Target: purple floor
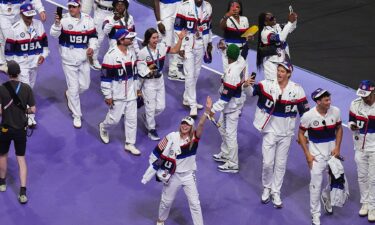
76 179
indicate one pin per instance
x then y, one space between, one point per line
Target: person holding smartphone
279 101
272 46
152 82
230 104
362 123
27 44
234 24
78 40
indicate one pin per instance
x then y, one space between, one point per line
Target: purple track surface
76 179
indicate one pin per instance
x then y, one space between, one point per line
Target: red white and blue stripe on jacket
282 108
76 39
26 46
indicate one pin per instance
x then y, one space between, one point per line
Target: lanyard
18 87
153 60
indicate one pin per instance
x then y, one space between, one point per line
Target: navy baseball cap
123 33
27 9
317 93
286 65
365 88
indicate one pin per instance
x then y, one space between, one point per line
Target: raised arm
202 120
176 49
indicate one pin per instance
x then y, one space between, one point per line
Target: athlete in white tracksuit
120 19
230 104
119 86
234 25
362 123
179 148
195 17
165 14
152 82
10 14
77 39
273 35
275 117
323 123
27 45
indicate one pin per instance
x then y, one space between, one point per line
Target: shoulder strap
14 96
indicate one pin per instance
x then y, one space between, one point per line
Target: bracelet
158 22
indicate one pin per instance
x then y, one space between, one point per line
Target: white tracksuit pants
129 110
153 91
99 16
269 70
228 132
78 81
168 39
275 151
365 161
28 76
192 69
318 171
187 181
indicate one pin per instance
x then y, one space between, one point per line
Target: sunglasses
272 18
72 6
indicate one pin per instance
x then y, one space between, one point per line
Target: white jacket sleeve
285 31
38 5
106 82
108 23
93 40
87 6
55 30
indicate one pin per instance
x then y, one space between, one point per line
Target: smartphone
59 11
290 9
253 75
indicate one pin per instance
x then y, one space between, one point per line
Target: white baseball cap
188 120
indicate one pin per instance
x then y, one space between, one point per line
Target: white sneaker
228 168
159 223
315 219
219 157
185 103
95 65
77 123
153 135
364 210
3 187
104 136
326 204
193 112
132 149
266 194
176 75
276 200
371 215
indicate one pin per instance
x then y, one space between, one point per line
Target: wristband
158 22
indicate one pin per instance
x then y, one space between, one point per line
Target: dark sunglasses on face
272 18
72 6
